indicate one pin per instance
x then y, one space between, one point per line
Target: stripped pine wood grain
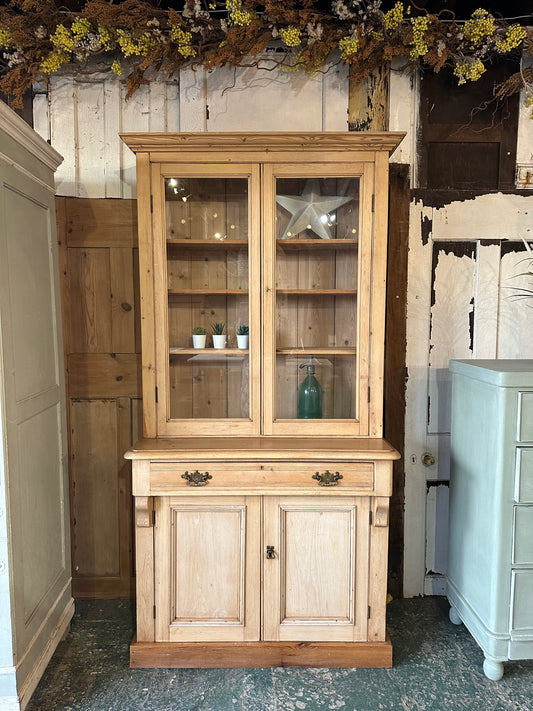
99 273
89 292
93 464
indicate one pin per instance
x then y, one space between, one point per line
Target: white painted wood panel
250 100
460 305
83 115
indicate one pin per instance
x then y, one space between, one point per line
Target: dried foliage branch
38 39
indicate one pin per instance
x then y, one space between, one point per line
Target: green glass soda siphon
309 395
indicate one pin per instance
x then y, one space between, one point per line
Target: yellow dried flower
469 71
291 36
237 16
62 39
480 26
348 46
5 39
116 67
139 46
107 38
378 36
54 61
393 18
514 37
183 38
80 28
419 44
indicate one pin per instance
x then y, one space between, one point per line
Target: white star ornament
310 210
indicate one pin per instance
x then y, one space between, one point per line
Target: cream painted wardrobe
36 605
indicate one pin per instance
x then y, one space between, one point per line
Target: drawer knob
196 478
270 552
327 478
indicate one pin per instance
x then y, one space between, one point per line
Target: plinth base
227 655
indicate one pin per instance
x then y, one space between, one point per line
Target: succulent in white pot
219 339
242 337
199 335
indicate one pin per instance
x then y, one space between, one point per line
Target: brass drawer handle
270 552
327 478
196 478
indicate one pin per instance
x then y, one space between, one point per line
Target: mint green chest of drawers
490 571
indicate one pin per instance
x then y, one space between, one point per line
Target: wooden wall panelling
100 300
93 469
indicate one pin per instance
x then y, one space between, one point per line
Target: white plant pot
198 340
219 341
242 342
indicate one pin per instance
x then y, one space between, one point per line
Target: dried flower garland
38 39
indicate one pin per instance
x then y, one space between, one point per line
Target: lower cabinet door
207 563
315 568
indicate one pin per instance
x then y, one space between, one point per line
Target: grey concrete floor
437 667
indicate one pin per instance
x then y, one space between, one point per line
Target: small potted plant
242 337
219 339
198 337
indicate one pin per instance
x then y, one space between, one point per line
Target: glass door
209 260
316 323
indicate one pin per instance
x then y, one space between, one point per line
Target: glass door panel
207 258
317 229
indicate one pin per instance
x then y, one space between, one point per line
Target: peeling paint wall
465 259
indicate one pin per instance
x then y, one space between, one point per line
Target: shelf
317 243
207 292
209 354
341 351
201 351
208 243
318 292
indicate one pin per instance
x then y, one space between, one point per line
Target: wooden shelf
207 292
318 292
208 351
317 243
208 243
341 351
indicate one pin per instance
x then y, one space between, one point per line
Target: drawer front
523 535
525 417
256 478
524 475
521 607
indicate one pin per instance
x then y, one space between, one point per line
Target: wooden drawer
524 475
255 478
523 535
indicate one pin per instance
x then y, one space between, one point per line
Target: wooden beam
368 102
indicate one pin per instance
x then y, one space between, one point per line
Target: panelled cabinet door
207 272
208 569
315 569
